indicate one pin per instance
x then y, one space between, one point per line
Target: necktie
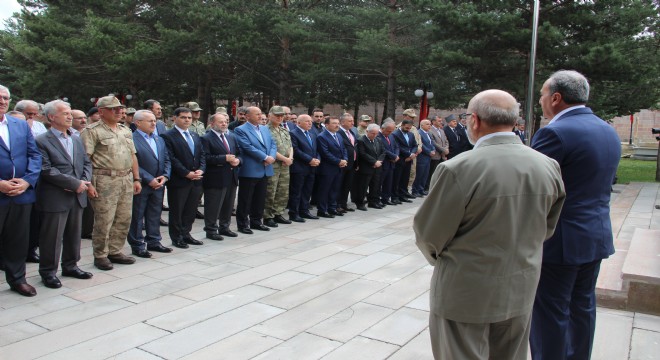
309 139
189 139
350 137
455 133
405 135
224 142
388 140
334 135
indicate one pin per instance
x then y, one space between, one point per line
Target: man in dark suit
156 109
520 131
184 188
423 159
221 177
333 159
66 172
371 154
20 165
588 151
462 127
454 136
155 170
318 121
407 153
348 135
258 151
387 196
305 162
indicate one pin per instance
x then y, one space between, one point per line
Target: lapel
58 145
143 143
218 143
12 126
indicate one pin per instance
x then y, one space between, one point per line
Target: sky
7 8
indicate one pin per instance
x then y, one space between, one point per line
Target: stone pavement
353 287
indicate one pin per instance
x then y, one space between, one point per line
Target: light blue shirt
151 140
65 140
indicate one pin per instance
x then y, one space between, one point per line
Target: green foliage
631 170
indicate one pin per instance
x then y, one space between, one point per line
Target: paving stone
419 348
207 332
33 309
329 263
78 313
644 345
242 346
398 269
304 346
370 263
134 354
422 302
18 331
285 280
647 322
400 327
348 323
222 270
320 252
360 348
303 292
110 288
612 337
176 270
403 291
266 246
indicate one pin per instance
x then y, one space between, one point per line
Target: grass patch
632 170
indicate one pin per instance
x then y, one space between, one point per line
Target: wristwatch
137 179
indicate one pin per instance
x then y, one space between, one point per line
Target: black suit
302 173
348 172
367 176
60 207
454 139
183 194
402 167
220 181
465 141
387 175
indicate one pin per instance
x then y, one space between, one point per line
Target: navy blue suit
386 178
253 173
331 152
22 160
148 204
454 138
183 194
423 163
301 172
348 172
220 181
402 167
588 151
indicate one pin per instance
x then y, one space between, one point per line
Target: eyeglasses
5 98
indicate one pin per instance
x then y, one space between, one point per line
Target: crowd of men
104 175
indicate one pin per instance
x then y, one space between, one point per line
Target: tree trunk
390 105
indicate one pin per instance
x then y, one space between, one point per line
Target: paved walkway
348 288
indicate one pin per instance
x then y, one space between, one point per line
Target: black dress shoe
77 273
406 200
349 209
32 257
180 244
23 289
325 215
309 216
51 281
199 215
426 192
214 236
227 232
341 211
270 223
336 213
245 230
361 207
297 218
381 204
396 201
281 220
260 227
375 206
163 223
192 241
159 248
142 253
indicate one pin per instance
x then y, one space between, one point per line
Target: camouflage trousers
112 213
277 192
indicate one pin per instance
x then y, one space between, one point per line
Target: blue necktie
191 144
309 139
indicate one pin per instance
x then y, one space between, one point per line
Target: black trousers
183 201
251 201
347 178
401 178
434 164
217 209
300 192
59 237
14 239
386 178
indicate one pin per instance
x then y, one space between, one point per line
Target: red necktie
224 142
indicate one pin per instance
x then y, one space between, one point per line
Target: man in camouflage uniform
197 125
365 120
110 147
277 192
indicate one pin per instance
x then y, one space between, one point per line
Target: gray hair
213 117
573 86
51 107
2 87
388 120
492 108
23 104
345 116
15 113
141 115
371 127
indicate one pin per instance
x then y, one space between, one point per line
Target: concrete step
641 272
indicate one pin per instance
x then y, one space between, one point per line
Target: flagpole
532 69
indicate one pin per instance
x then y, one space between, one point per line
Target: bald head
496 108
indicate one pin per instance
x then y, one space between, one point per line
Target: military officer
277 192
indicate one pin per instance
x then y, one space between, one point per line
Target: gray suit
60 207
482 227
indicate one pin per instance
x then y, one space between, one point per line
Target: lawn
631 170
